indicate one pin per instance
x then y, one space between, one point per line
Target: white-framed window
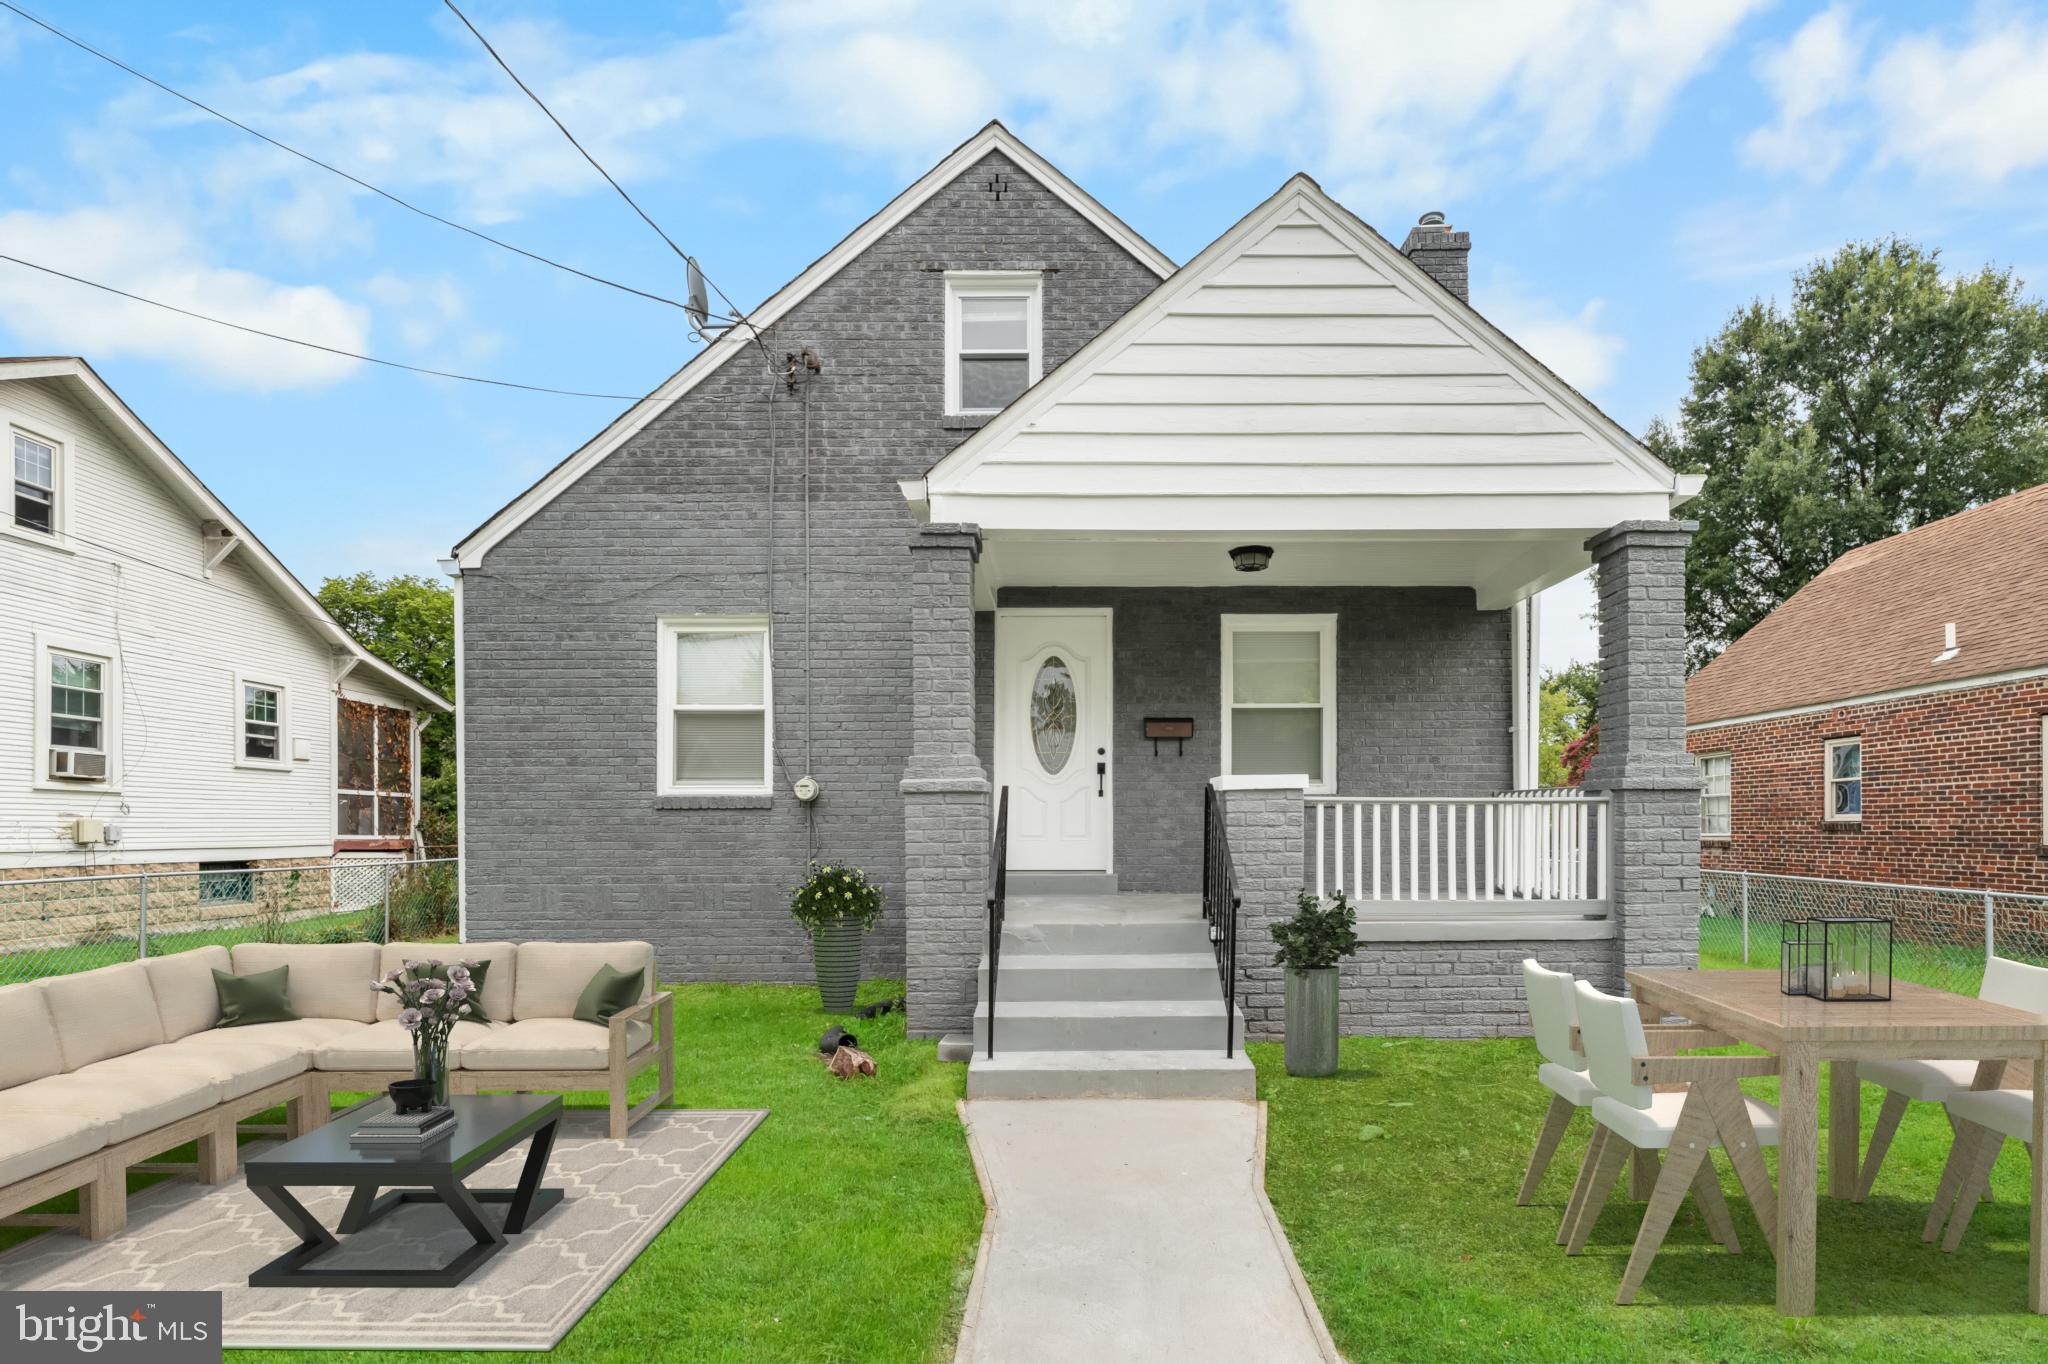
1844 780
717 726
261 737
77 714
994 332
1716 794
1280 698
38 467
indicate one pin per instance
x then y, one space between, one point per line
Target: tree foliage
409 622
1886 396
1568 707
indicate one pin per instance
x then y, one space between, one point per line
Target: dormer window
993 348
35 484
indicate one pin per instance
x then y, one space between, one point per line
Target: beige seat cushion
1928 1081
503 957
186 1000
386 1046
237 1067
108 1012
30 1049
550 1044
129 1095
552 975
327 980
303 1035
34 1141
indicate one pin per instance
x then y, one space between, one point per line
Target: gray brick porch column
946 822
1642 762
1265 820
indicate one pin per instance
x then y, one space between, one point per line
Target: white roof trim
196 494
1304 194
469 553
1875 698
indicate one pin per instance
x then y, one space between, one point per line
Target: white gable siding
1299 376
133 578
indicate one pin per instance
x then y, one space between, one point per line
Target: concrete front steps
1106 996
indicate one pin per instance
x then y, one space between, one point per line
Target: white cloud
148 253
1575 345
1809 78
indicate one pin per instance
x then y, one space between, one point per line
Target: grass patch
844 1229
1396 1182
1958 968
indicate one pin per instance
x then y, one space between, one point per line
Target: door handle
1101 769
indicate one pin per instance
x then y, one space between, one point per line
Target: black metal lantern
1251 558
1836 959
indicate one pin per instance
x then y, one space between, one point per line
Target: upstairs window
717 732
993 350
1845 780
35 484
1716 772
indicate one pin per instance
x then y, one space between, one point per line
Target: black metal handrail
1220 901
998 892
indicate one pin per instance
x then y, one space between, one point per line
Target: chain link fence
56 925
1940 936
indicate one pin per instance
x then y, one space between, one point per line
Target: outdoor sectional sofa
103 1070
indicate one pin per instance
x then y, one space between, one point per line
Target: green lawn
843 1230
1959 968
1396 1181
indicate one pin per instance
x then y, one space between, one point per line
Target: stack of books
402 1131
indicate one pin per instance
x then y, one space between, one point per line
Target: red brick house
1889 722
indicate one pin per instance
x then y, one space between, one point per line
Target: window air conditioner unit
77 764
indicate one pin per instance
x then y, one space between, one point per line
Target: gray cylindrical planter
1311 1045
835 951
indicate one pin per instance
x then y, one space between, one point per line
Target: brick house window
1844 780
717 728
993 339
373 778
1716 798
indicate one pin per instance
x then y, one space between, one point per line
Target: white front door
1052 729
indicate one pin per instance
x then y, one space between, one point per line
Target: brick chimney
1440 252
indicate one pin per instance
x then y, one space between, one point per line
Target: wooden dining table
1915 1023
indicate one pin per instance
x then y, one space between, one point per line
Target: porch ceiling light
1251 558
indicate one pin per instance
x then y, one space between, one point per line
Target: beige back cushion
186 1001
327 980
108 1012
552 975
503 957
28 1038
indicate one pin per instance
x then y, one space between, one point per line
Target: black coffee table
486 1125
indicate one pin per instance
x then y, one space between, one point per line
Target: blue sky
1630 173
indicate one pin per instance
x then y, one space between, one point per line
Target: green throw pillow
255 998
610 991
477 972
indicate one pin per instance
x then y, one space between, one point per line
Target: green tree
1568 704
1886 396
409 622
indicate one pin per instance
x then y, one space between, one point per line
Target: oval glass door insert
1053 718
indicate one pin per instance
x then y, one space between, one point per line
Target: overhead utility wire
541 104
315 345
84 46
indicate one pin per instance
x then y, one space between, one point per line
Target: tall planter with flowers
836 905
432 998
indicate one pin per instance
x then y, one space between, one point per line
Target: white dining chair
1711 1110
1984 1119
1553 1016
2013 984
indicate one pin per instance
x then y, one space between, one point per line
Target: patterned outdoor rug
617 1198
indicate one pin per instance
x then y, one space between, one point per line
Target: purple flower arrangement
432 998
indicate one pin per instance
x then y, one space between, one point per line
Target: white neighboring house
171 696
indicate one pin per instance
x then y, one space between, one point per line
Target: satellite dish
699 304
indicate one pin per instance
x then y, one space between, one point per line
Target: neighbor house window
77 714
78 702
1715 798
260 724
1845 779
716 727
225 883
373 750
35 484
993 350
1280 697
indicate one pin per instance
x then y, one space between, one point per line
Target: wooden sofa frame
101 1179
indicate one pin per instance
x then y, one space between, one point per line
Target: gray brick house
1003 501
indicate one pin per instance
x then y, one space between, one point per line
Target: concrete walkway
1130 1229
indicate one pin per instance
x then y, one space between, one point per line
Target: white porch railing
1518 850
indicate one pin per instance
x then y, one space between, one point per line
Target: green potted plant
836 905
1320 934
